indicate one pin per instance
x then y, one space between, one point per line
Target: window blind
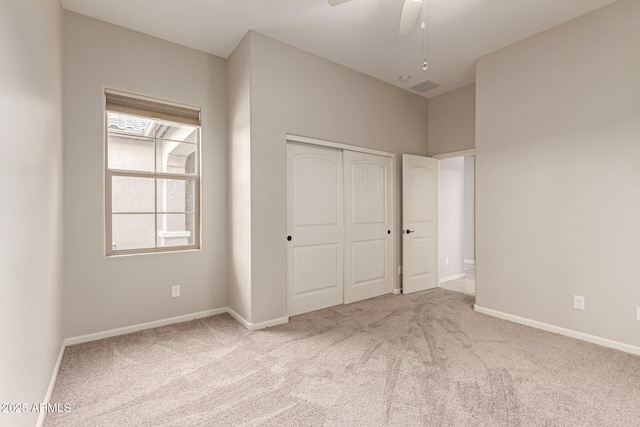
146 107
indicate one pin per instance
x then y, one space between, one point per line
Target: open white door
368 216
419 223
315 227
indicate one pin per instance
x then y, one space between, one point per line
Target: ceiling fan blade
410 12
336 2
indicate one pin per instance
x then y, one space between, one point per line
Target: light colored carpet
424 359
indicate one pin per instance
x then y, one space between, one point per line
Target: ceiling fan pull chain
423 26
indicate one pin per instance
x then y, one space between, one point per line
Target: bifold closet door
315 228
368 217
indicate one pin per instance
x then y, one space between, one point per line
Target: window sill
173 234
165 250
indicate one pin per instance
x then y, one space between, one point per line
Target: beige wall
469 208
104 293
295 92
239 164
558 155
452 121
31 194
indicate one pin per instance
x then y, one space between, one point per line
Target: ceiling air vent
424 86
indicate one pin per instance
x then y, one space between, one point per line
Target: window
152 176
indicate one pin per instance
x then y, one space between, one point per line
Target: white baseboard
627 348
397 291
178 319
141 326
52 384
270 323
244 322
469 261
257 326
450 278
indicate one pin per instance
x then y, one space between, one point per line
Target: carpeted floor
425 359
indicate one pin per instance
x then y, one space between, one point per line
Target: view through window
152 184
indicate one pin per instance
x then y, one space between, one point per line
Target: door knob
289 238
388 231
410 231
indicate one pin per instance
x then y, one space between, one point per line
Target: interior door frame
462 153
331 144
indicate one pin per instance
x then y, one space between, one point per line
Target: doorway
457 224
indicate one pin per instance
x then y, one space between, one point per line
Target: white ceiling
360 34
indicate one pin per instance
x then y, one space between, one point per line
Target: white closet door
419 223
315 228
368 217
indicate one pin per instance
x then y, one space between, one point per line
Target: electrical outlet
175 291
638 314
578 302
446 261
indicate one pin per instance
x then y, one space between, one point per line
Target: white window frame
110 173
